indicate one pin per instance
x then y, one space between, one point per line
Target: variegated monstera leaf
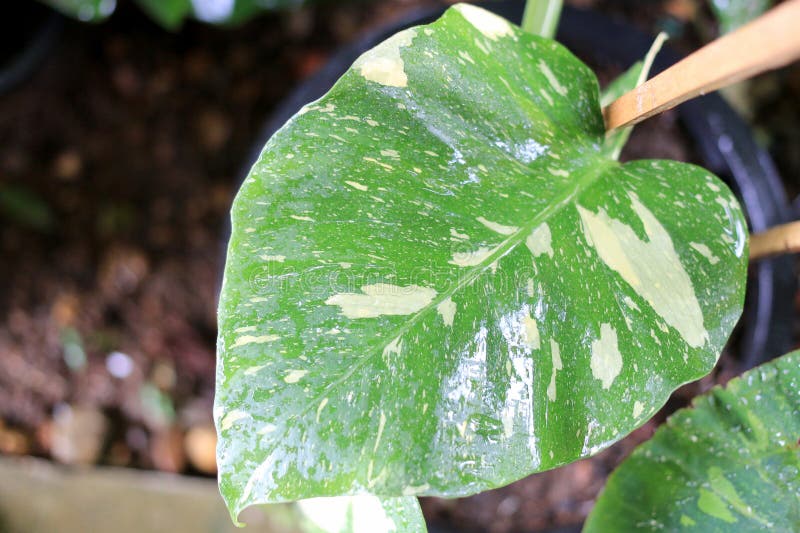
729 463
440 281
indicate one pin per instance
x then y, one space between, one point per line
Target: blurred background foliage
734 13
172 13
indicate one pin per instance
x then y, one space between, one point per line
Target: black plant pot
723 141
27 33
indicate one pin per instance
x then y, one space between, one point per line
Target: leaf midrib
595 169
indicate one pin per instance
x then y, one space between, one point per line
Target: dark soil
118 162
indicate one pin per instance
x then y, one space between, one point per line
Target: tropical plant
732 462
441 280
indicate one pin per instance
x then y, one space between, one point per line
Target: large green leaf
438 282
730 463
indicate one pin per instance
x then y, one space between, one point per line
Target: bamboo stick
783 239
769 42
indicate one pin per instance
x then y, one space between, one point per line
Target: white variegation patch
486 22
606 362
382 299
540 241
253 339
653 267
498 228
383 63
447 310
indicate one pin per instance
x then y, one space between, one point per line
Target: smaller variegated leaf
729 463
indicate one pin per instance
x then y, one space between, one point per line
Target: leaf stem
616 139
783 239
541 17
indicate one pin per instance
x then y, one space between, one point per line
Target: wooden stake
783 239
769 42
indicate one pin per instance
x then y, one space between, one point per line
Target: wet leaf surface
730 463
438 282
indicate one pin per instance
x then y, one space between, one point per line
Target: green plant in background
730 463
732 14
85 10
24 207
172 13
440 279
